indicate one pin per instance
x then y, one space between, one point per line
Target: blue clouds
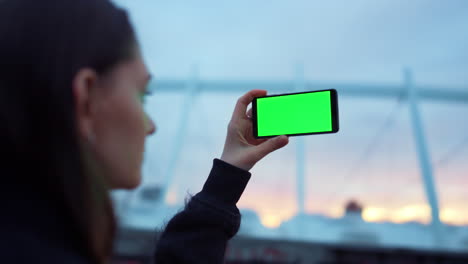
345 41
336 40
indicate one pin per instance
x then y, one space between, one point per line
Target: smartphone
295 114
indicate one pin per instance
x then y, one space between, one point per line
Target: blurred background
394 176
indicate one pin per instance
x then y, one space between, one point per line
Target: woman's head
71 86
111 122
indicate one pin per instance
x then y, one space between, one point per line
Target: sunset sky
341 41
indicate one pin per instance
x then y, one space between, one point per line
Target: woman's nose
152 126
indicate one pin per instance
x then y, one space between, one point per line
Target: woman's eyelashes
144 94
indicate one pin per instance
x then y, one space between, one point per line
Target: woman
72 87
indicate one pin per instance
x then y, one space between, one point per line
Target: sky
360 41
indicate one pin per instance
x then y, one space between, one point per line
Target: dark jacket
31 231
199 234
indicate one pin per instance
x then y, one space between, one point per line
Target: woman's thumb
271 145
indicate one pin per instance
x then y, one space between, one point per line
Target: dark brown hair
43 44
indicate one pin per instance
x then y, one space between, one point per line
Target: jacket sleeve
200 232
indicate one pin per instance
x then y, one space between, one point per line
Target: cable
453 152
457 149
389 121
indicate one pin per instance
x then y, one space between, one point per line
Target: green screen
294 114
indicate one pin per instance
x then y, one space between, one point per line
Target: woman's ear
84 92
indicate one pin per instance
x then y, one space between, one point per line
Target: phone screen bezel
334 110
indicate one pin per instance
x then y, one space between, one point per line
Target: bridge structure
407 91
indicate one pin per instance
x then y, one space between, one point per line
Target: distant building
356 231
353 207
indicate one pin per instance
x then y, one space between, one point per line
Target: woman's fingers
249 113
241 148
244 101
269 146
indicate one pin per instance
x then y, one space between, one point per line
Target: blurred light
271 220
454 216
374 214
415 212
171 197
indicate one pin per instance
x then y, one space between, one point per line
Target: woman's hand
241 148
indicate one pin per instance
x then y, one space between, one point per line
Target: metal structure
300 152
424 158
190 88
411 92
